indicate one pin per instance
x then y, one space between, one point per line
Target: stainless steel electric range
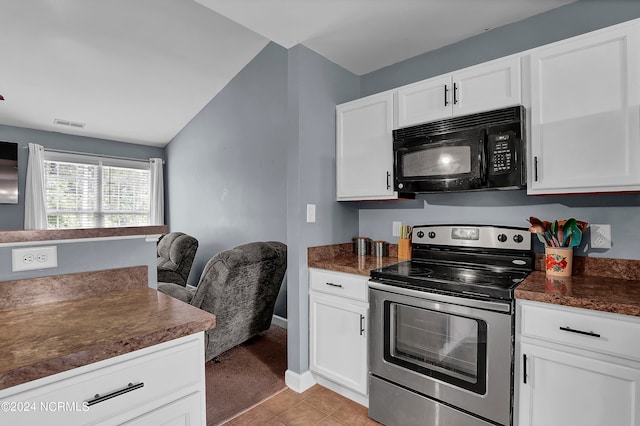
441 336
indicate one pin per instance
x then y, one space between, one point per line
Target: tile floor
315 406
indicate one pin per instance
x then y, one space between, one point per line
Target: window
93 192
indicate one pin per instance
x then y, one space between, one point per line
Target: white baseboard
347 393
299 382
279 321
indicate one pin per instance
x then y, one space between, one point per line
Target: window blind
87 192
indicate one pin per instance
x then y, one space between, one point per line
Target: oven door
451 162
455 350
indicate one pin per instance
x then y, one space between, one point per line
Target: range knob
420 234
432 234
518 238
502 238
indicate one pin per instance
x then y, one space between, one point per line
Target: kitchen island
113 353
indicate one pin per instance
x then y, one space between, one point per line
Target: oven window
437 161
448 347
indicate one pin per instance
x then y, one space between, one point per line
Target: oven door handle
437 297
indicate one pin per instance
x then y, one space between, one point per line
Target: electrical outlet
25 259
600 236
395 232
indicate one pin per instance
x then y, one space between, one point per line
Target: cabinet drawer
157 377
592 330
340 284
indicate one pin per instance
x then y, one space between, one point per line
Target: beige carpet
246 375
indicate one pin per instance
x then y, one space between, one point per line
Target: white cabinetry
338 330
492 85
585 115
157 385
364 149
577 367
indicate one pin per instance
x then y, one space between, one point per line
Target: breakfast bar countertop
45 339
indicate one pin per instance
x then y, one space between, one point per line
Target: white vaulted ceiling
139 70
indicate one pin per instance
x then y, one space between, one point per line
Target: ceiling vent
69 123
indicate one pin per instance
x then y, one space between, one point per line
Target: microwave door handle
484 156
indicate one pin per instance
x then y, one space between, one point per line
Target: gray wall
315 86
83 256
226 170
12 215
622 211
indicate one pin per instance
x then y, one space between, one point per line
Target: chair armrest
177 291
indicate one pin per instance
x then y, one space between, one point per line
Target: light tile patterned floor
315 406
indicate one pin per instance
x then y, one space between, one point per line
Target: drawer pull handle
361 324
334 285
101 398
586 333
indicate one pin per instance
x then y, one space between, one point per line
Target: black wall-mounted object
8 173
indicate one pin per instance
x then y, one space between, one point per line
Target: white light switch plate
26 259
395 232
311 213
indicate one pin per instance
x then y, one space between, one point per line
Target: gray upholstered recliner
239 286
176 251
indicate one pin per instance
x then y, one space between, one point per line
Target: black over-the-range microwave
467 153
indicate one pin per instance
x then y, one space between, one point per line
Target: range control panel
482 236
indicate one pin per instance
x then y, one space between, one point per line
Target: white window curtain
35 204
156 189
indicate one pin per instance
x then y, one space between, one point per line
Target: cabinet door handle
361 324
535 169
586 333
524 368
334 285
455 93
446 92
101 398
388 178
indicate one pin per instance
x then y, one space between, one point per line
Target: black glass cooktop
489 281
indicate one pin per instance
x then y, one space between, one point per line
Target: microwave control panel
501 153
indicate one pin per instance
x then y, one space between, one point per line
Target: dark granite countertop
39 340
340 258
607 294
601 284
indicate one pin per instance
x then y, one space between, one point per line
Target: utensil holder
404 248
558 261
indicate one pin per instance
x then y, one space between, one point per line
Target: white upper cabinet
585 116
364 149
492 85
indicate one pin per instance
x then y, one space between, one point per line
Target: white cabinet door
424 101
492 85
567 389
488 86
183 412
585 115
338 341
364 149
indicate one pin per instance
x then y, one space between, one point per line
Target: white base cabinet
158 385
339 312
585 113
576 367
